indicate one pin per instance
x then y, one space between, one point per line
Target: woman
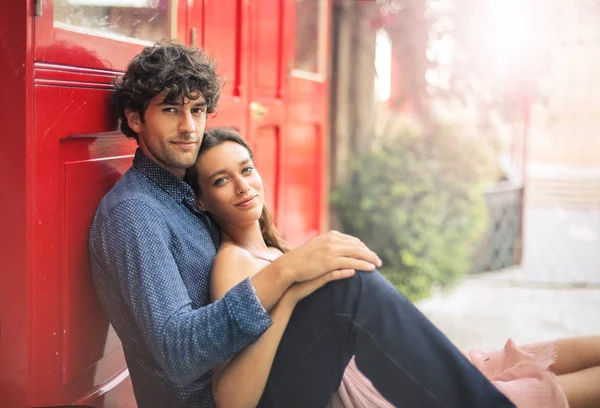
228 186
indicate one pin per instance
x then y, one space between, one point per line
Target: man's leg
409 361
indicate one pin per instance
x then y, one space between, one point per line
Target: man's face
171 133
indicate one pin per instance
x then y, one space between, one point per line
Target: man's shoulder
134 195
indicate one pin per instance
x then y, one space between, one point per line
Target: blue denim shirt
152 253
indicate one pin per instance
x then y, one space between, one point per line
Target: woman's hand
299 291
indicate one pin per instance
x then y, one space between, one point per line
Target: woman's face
231 188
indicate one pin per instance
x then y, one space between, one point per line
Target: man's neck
176 172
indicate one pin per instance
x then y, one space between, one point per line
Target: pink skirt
520 373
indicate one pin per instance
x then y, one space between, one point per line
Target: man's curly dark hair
166 66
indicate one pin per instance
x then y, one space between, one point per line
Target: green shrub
417 200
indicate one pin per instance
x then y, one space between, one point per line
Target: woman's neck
248 237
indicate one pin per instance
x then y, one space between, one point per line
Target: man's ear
134 120
199 204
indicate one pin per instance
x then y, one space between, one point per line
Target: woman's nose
242 186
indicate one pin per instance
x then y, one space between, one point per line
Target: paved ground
555 294
562 246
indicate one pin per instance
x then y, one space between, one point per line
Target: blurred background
465 151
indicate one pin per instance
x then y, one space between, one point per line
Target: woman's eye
219 182
247 170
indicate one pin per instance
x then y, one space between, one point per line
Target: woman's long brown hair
214 137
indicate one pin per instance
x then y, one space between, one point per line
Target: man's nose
187 125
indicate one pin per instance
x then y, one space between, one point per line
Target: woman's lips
247 202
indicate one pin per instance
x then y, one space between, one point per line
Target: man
152 251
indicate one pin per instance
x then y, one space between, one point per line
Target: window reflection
144 21
308 35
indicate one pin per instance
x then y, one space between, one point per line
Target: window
311 36
138 21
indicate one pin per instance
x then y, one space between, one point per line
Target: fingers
337 244
358 252
304 289
331 276
345 263
340 274
317 283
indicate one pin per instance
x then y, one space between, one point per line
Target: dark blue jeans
404 355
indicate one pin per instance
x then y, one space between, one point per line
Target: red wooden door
305 153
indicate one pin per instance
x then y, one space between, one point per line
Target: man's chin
184 161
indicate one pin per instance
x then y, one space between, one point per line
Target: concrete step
567 190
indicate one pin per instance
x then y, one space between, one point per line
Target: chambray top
151 254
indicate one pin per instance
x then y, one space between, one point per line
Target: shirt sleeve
133 250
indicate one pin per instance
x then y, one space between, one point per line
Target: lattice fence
501 244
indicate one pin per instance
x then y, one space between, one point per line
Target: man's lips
185 143
246 201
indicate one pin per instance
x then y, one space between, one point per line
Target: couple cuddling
211 307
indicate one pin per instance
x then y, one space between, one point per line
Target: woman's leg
582 387
409 361
577 368
576 354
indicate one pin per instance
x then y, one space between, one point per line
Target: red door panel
74 352
224 37
267 49
304 151
303 182
86 336
266 148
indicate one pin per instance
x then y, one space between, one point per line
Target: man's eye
169 110
247 170
198 111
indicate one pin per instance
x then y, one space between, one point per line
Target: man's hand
330 252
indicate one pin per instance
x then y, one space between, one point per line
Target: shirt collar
176 188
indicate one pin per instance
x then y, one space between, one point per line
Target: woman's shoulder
229 252
231 266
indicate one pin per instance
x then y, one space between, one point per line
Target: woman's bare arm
241 382
247 372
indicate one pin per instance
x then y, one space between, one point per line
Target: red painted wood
73 351
16 113
304 155
59 74
225 36
267 148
